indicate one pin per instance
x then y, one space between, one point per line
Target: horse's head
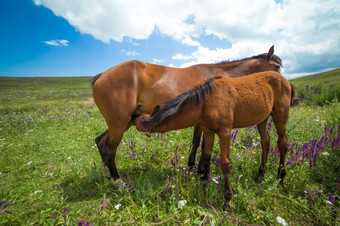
268 61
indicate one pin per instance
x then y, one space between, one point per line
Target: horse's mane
171 107
275 58
95 78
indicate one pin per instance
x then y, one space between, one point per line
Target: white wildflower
328 202
280 220
181 204
118 206
29 163
215 180
325 153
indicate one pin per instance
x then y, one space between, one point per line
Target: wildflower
54 216
260 190
280 220
81 223
181 204
118 206
65 210
29 163
308 191
5 206
325 153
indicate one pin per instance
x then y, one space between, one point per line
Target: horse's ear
270 53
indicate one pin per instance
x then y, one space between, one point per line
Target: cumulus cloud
305 32
57 42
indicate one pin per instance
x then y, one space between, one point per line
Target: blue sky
86 37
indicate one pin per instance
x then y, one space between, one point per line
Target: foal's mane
275 58
196 96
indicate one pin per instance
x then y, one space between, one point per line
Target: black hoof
259 179
226 207
200 170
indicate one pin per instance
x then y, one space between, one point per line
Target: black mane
171 107
275 58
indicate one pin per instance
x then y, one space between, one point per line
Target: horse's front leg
225 166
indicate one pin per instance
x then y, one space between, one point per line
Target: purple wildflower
217 161
5 206
246 189
81 223
54 216
65 210
332 198
219 182
308 191
260 190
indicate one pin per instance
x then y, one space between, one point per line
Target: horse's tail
171 107
293 93
95 78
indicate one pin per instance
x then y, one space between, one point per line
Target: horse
129 89
221 104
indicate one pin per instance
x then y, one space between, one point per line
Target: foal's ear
155 109
270 53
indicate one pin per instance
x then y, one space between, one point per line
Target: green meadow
51 172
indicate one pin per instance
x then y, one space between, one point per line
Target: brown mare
129 89
222 104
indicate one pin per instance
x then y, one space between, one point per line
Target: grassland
51 171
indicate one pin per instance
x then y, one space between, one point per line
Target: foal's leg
280 119
208 148
265 141
225 166
195 144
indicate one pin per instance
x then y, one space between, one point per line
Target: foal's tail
293 94
171 107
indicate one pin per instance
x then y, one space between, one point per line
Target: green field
51 170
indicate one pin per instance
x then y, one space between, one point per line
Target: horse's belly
251 114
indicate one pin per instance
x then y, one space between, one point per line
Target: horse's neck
239 68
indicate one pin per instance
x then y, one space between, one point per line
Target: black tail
95 78
171 107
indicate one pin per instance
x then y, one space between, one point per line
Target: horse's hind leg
101 142
195 144
109 152
265 142
280 119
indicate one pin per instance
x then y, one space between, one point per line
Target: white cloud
180 56
305 32
57 42
130 53
156 61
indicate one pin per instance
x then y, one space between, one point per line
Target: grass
51 170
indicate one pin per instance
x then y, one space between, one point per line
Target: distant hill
318 89
331 78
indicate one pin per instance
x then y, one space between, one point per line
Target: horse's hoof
118 183
226 207
106 172
200 170
259 179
